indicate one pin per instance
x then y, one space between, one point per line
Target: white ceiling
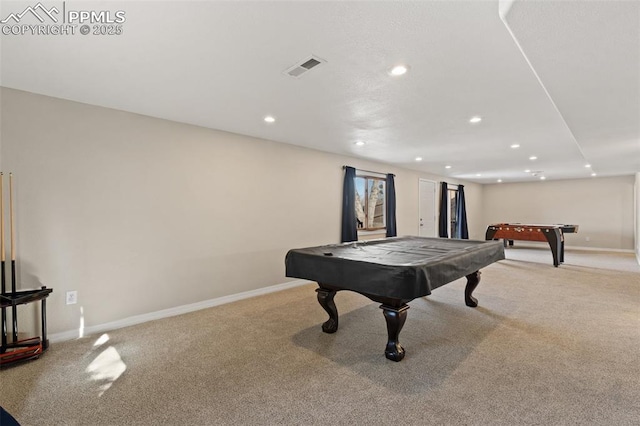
560 78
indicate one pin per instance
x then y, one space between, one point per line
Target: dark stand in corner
26 349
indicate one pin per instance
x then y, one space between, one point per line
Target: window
453 218
370 203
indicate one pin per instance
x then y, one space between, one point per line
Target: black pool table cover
398 267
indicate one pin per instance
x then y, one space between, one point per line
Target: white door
427 225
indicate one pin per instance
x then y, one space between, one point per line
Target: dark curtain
391 206
7 419
461 215
444 215
349 225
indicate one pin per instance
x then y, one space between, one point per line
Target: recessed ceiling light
587 165
418 158
515 145
533 157
398 70
447 167
474 120
499 180
360 143
593 174
542 178
269 119
527 171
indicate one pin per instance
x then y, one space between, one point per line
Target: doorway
427 209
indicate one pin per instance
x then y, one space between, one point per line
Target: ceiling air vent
303 67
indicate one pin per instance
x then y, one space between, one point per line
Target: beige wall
140 214
602 207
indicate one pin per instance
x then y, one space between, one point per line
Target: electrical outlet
587 239
72 297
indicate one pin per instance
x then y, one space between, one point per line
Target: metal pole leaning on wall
14 309
3 285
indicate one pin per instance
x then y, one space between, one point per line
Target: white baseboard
166 313
546 245
599 249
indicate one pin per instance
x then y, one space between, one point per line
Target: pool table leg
395 316
325 298
555 240
472 282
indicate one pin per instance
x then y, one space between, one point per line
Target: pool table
391 271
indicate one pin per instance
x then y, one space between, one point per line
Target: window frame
365 206
452 219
